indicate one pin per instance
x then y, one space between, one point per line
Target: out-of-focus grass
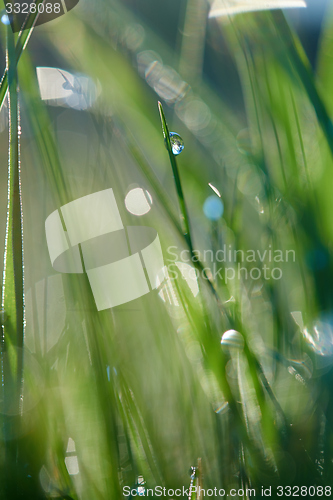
146 388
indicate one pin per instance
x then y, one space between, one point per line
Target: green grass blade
12 293
13 285
184 215
180 194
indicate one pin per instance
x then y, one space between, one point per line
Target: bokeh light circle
138 201
213 208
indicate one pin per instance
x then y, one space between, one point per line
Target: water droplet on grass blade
232 339
177 143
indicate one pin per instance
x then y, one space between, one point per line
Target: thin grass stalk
13 281
184 215
175 171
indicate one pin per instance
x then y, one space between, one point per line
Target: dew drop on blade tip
177 143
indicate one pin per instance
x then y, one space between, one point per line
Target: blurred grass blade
193 40
231 7
138 429
303 70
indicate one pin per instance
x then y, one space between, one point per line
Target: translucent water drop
232 339
213 208
177 143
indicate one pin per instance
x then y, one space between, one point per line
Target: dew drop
232 339
177 143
